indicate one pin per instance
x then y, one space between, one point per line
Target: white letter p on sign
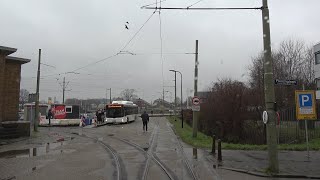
305 99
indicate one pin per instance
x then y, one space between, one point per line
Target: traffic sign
265 117
195 108
305 105
196 101
285 82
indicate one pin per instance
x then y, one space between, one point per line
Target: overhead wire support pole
37 117
175 81
108 89
195 113
269 92
175 95
106 98
63 89
181 99
161 54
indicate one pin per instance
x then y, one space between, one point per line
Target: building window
317 55
68 109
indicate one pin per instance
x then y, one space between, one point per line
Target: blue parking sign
305 105
305 100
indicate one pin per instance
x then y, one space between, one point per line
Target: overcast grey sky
75 33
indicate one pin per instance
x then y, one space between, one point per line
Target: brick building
10 76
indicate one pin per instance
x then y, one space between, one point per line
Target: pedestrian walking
102 115
82 121
145 120
99 115
50 116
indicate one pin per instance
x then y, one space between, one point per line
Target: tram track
117 160
149 154
185 158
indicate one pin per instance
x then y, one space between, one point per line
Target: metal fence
289 129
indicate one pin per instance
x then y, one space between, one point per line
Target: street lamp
175 90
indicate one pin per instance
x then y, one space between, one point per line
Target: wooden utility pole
109 95
195 113
63 88
181 99
269 92
36 116
175 95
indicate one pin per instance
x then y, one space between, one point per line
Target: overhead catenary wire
187 8
194 3
157 2
122 49
48 65
96 62
173 53
126 45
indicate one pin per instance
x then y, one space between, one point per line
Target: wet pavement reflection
49 148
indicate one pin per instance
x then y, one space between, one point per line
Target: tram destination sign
285 82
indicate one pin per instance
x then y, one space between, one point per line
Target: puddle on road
48 148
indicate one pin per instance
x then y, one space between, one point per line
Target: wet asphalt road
117 152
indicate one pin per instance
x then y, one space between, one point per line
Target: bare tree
292 54
256 81
308 67
292 61
24 96
222 112
128 94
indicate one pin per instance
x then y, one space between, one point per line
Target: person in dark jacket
145 120
99 116
50 115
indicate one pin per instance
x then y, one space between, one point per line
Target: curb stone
259 174
274 175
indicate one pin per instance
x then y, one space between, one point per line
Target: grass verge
204 141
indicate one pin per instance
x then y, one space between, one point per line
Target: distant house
142 103
159 103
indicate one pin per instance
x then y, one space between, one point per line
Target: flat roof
17 59
7 50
